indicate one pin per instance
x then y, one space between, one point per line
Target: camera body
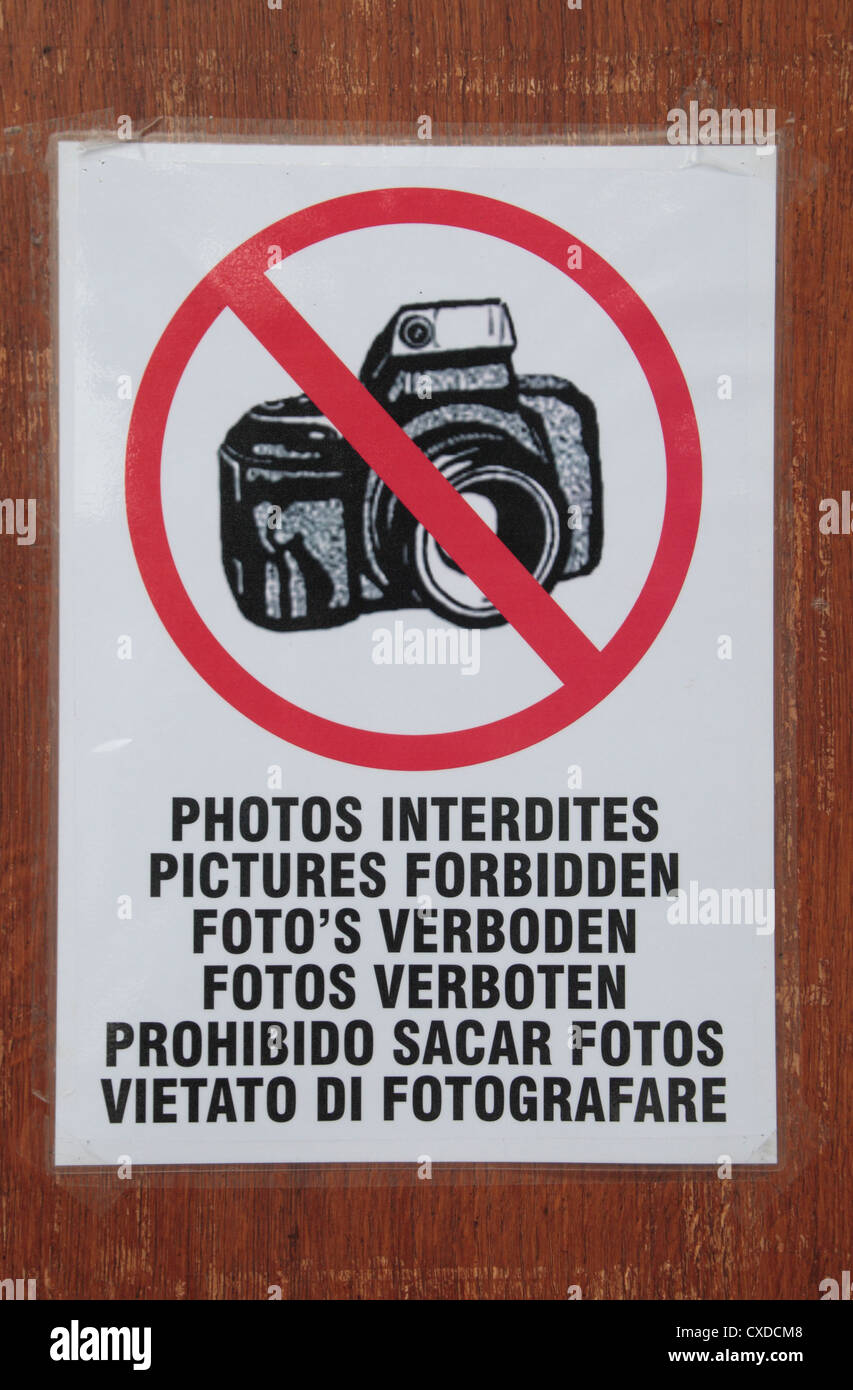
312 537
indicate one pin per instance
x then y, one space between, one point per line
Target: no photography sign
416 785
240 282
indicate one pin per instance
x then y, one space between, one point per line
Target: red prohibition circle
239 283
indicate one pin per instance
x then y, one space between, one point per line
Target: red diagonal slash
418 484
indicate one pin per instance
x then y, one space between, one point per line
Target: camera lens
520 511
508 488
416 331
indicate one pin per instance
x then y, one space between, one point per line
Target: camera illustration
312 537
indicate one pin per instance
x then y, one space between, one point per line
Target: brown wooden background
484 1235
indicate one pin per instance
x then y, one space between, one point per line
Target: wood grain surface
379 64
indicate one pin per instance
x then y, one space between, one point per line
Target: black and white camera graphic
312 537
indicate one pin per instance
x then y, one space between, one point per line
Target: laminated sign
416 718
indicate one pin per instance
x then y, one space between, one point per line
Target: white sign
416 745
